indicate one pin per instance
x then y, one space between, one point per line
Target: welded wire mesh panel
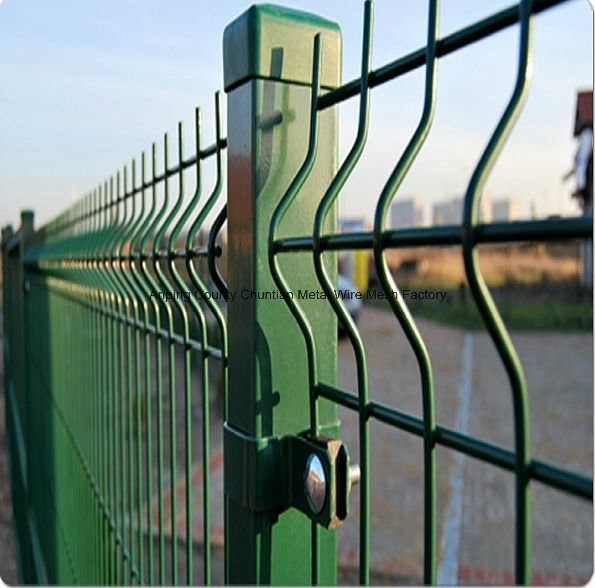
125 351
116 340
468 235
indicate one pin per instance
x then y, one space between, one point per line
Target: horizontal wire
457 40
534 230
32 260
547 474
449 44
170 171
192 344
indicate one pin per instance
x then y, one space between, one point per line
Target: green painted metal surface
269 391
274 43
101 461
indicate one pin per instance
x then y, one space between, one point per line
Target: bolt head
315 483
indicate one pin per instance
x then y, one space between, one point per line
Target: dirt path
475 502
475 514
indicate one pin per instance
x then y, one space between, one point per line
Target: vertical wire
119 388
128 287
138 394
144 232
134 401
398 304
104 393
186 350
113 394
111 390
158 360
171 360
150 286
343 315
136 272
102 295
202 289
97 331
132 331
123 372
96 380
485 303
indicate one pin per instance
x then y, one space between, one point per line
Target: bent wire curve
166 284
295 309
157 300
153 217
133 235
193 230
130 295
398 304
277 217
124 295
324 279
220 319
186 339
212 251
485 302
137 273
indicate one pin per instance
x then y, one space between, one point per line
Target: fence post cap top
276 43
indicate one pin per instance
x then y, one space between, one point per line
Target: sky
86 86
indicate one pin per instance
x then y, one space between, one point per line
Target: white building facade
407 212
505 209
450 212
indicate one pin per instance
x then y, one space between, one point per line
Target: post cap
276 43
27 218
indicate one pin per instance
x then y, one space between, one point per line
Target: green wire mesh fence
98 361
101 345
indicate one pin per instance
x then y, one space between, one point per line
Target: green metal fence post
22 287
15 450
32 570
268 65
24 392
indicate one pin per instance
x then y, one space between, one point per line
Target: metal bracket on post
311 474
268 64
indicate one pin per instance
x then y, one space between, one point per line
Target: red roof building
584 111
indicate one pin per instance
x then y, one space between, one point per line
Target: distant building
446 213
450 212
583 172
583 160
350 225
505 209
408 212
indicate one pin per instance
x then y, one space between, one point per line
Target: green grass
522 310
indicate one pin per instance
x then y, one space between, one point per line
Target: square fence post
268 57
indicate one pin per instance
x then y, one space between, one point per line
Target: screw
354 474
26 286
315 483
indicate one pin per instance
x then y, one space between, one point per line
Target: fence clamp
272 474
